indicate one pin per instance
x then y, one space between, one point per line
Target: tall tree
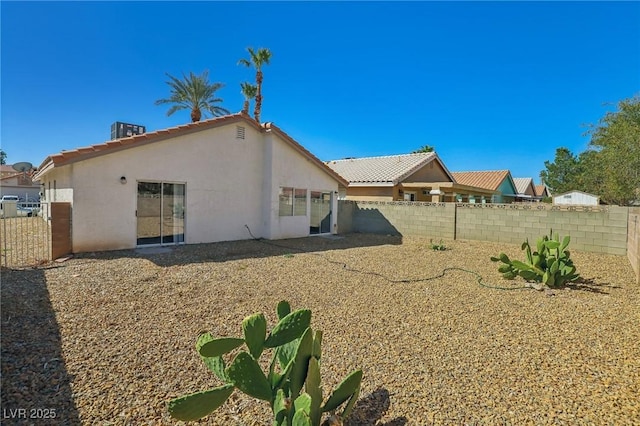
616 140
249 92
195 93
3 157
563 174
257 58
425 148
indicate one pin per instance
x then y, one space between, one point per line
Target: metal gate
34 235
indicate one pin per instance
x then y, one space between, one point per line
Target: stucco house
19 184
576 198
197 183
498 183
526 190
542 191
404 177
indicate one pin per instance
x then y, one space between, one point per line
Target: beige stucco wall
286 167
224 181
369 193
431 172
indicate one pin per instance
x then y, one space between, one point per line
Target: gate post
60 214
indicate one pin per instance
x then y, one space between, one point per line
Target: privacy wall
594 229
600 229
633 241
431 220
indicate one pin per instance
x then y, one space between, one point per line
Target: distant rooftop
387 169
481 179
522 184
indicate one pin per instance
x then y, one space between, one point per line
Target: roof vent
239 132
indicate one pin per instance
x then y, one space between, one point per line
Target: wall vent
239 132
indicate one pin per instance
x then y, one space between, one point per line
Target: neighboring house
576 198
403 177
526 190
201 182
542 191
19 184
498 183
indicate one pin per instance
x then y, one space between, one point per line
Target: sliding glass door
320 217
160 213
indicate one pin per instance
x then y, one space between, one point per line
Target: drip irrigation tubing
479 278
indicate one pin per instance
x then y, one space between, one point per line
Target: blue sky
492 85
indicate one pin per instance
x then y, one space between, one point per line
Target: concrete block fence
599 229
431 220
633 241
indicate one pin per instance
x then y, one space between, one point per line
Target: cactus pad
345 389
221 346
246 375
289 328
255 331
199 404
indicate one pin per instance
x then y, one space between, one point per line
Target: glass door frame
331 199
161 213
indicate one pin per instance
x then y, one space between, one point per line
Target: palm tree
257 58
194 92
425 148
249 92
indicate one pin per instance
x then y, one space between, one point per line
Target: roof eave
370 184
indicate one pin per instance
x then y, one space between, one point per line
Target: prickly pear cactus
292 383
550 264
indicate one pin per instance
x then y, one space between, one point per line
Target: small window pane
286 201
300 202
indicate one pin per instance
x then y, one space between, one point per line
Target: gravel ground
108 338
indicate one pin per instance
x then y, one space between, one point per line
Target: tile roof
390 169
83 153
482 179
540 189
522 184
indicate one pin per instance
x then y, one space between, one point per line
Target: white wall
576 198
289 168
224 179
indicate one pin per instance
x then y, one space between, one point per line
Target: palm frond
192 92
248 90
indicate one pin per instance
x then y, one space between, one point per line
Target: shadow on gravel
370 409
35 383
238 250
590 285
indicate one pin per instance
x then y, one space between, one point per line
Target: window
286 201
239 132
300 202
293 201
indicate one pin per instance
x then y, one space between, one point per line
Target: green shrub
550 264
292 384
438 246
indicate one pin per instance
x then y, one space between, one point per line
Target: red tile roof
83 153
71 156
